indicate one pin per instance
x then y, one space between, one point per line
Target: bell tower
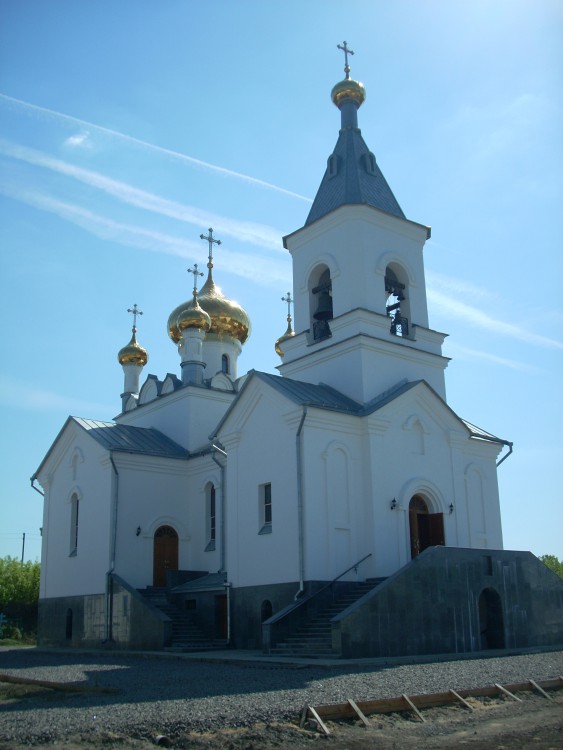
360 308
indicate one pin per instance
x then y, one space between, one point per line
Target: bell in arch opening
322 306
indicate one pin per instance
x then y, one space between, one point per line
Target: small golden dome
348 89
133 353
193 316
227 317
290 333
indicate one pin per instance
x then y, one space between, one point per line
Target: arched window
74 508
320 303
225 365
211 516
396 297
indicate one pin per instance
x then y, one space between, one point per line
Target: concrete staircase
314 637
186 635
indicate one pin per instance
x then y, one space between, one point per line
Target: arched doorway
165 556
426 529
491 621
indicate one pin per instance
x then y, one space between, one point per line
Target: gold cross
196 273
211 239
347 51
289 303
134 311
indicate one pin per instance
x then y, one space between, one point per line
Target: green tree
19 582
553 563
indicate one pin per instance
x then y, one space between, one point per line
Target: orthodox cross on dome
211 239
134 311
289 303
347 51
196 273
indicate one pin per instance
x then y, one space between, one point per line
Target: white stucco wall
76 465
260 442
187 416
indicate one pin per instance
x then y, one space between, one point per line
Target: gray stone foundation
450 600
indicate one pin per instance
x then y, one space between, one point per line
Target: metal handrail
328 585
300 602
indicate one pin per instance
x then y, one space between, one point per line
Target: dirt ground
493 724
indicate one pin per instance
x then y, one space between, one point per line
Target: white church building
339 508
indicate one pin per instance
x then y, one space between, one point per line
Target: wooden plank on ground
360 714
504 691
303 715
461 700
413 707
540 690
321 723
335 711
63 686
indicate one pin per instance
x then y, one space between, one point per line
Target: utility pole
23 546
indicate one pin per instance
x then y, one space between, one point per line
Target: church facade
341 507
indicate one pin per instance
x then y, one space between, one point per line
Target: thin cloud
25 396
465 353
245 231
263 271
60 116
459 286
79 140
478 318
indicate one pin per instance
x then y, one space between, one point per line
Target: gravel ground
171 695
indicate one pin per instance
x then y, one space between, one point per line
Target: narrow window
265 508
68 625
211 516
74 508
225 364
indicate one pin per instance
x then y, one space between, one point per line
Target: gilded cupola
133 353
227 318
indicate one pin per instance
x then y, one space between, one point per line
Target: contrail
151 147
257 234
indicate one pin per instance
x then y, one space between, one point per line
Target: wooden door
165 556
426 529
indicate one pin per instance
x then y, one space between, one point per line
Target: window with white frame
265 500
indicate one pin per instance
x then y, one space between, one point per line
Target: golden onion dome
290 333
193 316
133 353
227 317
348 89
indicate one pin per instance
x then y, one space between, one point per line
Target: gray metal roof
478 432
353 177
321 396
124 438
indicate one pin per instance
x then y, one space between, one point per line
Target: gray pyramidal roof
353 177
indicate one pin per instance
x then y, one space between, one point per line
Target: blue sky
127 129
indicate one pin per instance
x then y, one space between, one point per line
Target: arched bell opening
165 554
491 620
320 302
426 528
396 299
